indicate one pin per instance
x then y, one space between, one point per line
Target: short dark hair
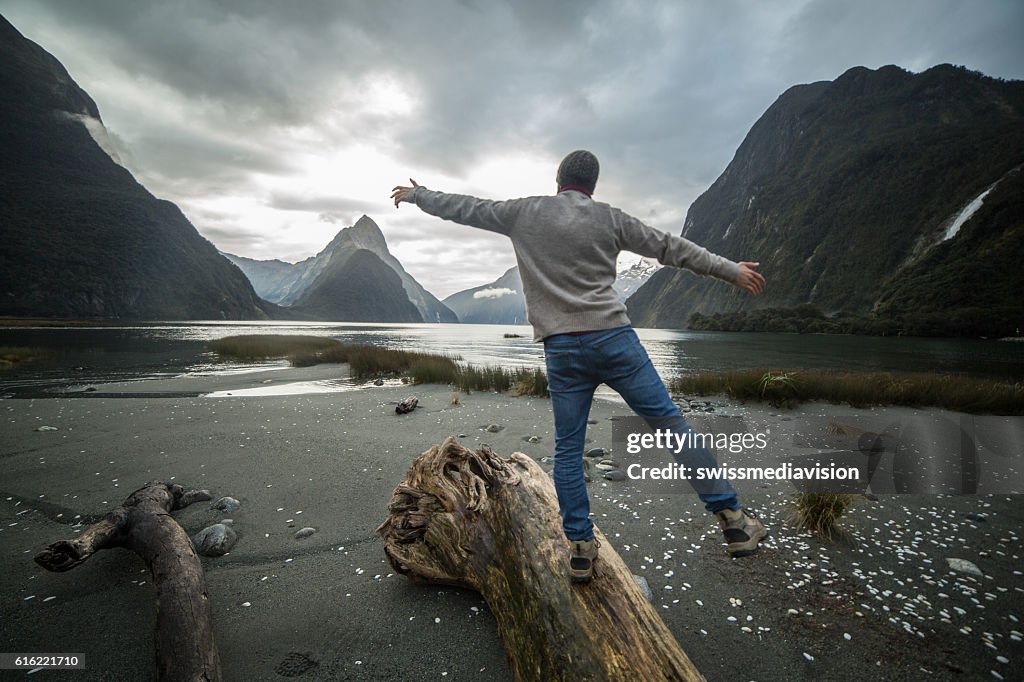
578 168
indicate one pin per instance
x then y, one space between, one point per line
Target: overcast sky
274 124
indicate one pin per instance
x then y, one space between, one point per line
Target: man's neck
577 188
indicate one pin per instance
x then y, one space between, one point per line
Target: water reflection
79 355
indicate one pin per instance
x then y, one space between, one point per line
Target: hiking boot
582 555
742 531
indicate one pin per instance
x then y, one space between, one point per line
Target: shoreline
330 461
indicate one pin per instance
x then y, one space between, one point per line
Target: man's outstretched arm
679 252
495 216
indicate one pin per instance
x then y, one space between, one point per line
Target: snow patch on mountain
631 276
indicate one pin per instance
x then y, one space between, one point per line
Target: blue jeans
576 365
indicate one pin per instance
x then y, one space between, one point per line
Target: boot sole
742 549
581 575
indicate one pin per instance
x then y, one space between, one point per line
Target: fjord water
74 356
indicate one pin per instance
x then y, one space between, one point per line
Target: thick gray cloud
273 123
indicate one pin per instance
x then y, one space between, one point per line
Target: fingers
750 280
400 193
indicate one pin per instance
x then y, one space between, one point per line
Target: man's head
578 169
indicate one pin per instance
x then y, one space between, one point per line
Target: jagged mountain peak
363 234
288 284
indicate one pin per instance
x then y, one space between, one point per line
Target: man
567 246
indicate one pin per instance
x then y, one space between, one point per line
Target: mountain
500 302
632 277
357 286
268 277
81 238
287 283
848 191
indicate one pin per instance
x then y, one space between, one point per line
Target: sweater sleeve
678 252
494 216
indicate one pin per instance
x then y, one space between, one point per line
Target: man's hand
749 279
401 192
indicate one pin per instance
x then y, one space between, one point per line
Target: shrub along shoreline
778 388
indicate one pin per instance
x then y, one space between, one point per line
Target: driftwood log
185 648
476 520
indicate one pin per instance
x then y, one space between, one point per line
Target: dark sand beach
886 605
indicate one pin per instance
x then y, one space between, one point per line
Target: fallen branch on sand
185 648
491 524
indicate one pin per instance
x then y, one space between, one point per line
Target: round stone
228 505
215 540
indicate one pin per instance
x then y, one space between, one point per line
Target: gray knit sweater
567 246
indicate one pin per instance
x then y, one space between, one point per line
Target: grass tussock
861 389
518 381
369 362
819 513
11 356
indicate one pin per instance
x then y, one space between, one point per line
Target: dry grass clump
819 513
14 355
861 389
11 356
